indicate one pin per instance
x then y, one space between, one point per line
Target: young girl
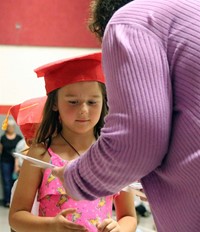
73 117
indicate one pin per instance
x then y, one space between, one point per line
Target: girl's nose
84 109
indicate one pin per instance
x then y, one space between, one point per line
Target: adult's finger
59 172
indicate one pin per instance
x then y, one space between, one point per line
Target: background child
28 116
73 117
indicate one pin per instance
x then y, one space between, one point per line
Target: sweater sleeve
135 138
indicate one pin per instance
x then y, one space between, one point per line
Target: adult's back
162 39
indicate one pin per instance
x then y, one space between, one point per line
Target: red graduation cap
28 115
69 71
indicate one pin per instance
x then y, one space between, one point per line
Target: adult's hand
59 172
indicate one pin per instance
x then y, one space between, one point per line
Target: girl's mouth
82 120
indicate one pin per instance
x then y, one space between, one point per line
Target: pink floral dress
53 199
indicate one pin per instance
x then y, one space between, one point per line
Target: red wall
4 109
45 23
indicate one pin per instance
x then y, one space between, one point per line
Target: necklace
69 144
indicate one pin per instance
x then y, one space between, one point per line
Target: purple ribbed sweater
151 58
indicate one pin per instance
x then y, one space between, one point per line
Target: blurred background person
28 116
20 148
8 144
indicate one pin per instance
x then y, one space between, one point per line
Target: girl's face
80 106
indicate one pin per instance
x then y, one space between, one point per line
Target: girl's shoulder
37 151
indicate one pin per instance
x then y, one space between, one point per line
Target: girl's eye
73 102
92 102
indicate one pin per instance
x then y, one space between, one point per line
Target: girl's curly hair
101 12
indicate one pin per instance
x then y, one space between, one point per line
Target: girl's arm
125 213
20 217
29 181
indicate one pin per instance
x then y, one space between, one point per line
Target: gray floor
4 220
146 224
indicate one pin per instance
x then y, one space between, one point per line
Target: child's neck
80 142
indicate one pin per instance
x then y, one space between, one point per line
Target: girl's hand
108 225
61 224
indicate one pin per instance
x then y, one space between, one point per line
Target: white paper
135 187
36 162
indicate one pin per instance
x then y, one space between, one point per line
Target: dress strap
51 153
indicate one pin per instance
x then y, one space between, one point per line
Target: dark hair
51 124
101 12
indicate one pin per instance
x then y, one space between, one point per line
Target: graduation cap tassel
5 122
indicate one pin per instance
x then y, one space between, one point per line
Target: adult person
8 143
151 57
